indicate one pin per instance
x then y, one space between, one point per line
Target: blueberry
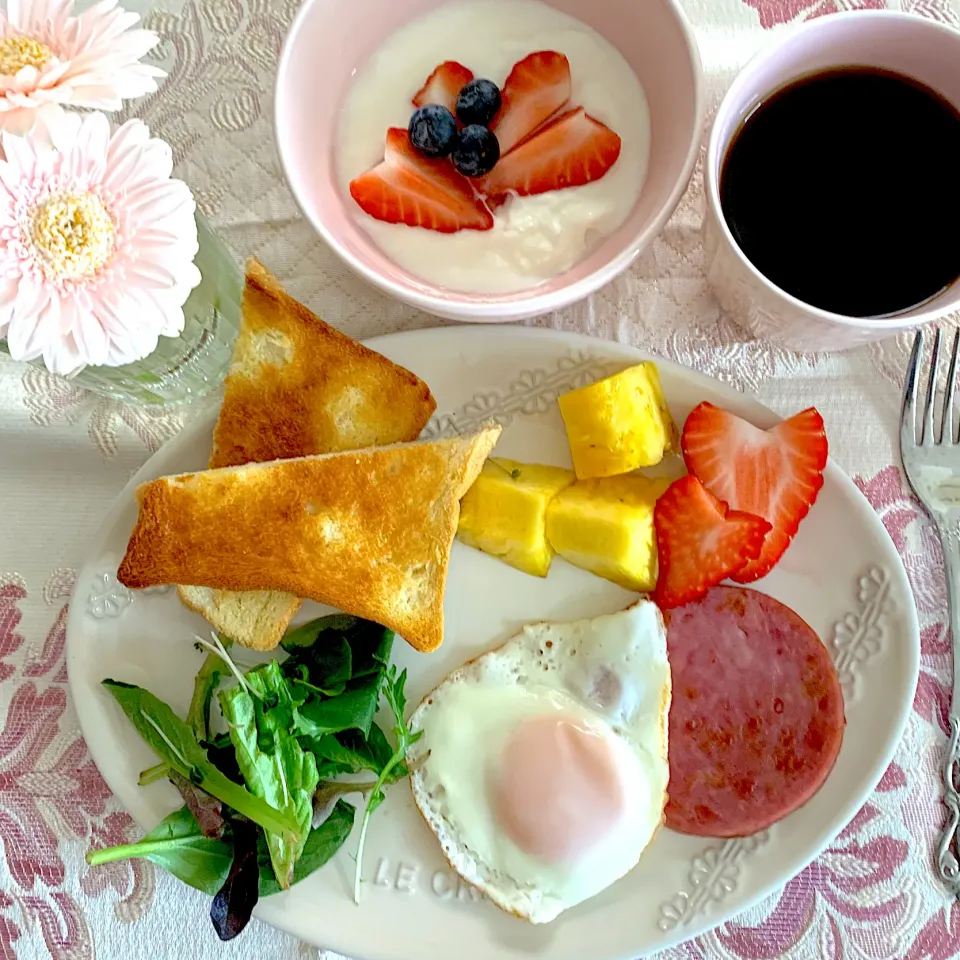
478 102
433 130
477 152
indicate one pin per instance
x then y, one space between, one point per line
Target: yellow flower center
17 52
72 234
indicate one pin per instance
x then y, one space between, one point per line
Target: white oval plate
842 575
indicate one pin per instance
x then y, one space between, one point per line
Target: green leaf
350 757
354 709
377 743
336 655
159 771
198 716
343 759
303 688
204 685
327 665
331 666
307 634
178 846
396 699
371 650
323 668
327 769
174 742
350 752
321 845
274 765
218 742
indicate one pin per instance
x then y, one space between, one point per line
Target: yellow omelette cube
504 512
619 424
606 526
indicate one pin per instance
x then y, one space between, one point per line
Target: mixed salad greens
263 802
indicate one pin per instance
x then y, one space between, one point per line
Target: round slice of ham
757 715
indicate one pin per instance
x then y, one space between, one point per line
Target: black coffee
843 188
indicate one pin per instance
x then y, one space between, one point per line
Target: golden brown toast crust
326 392
368 532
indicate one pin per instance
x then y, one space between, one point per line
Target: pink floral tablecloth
64 456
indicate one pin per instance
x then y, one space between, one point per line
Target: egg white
612 676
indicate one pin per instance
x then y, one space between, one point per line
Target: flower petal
26 77
118 314
98 98
97 54
10 177
14 16
19 153
124 155
90 336
8 298
64 357
29 329
93 137
62 126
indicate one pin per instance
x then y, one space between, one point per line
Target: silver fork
931 459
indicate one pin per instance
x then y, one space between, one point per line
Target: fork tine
928 439
908 411
946 427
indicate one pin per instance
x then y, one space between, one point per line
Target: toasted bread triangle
368 532
298 387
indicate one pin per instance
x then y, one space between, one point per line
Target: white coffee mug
903 43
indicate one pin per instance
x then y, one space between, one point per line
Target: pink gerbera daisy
49 57
97 244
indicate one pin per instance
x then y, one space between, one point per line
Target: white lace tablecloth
65 455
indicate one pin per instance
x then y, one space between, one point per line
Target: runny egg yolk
558 790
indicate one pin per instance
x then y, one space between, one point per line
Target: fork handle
948 865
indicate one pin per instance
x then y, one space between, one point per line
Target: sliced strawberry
443 86
775 474
412 189
700 541
538 86
569 151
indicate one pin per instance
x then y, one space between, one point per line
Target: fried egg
543 764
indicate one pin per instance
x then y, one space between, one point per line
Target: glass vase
193 364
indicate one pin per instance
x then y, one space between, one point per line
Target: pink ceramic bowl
330 39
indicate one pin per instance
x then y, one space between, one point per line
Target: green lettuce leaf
321 845
174 742
178 845
274 765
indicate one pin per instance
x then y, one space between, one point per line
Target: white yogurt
533 238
